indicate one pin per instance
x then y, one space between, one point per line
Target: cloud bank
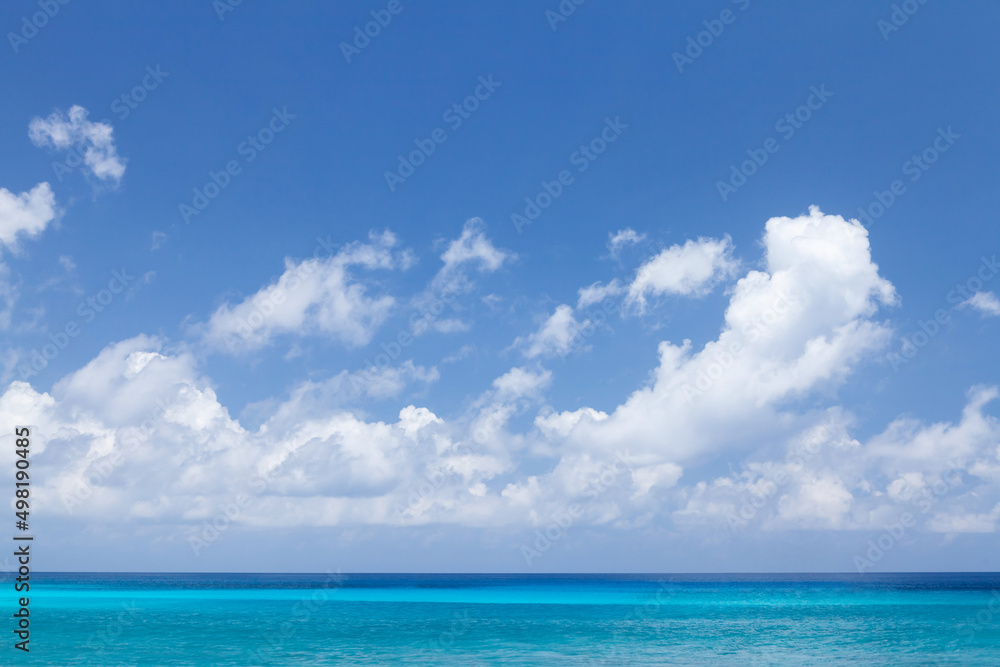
139 434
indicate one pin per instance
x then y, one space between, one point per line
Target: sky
513 287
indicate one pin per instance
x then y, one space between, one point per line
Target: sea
501 619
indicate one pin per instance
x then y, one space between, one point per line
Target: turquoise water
240 619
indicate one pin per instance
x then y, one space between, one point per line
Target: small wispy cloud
622 238
556 337
986 303
94 141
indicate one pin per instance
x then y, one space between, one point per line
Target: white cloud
471 251
691 269
444 325
73 131
376 382
138 435
158 239
820 502
25 215
924 448
985 302
972 522
662 476
519 382
459 354
943 474
597 292
311 297
21 216
622 238
802 324
149 433
556 337
315 399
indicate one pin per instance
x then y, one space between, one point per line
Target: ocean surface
366 619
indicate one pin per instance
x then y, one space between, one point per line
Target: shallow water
325 619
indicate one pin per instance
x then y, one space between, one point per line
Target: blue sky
510 401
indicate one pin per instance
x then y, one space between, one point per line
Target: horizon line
852 573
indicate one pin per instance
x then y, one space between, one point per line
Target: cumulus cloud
803 323
317 296
72 131
25 215
985 302
140 435
556 337
691 269
943 474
